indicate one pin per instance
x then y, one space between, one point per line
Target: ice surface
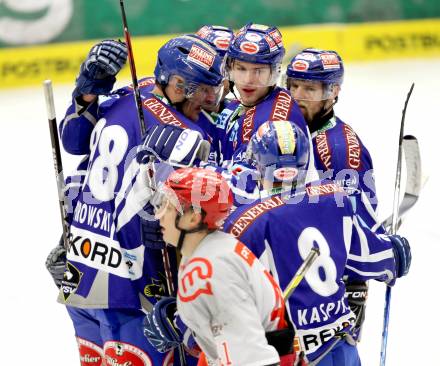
37 330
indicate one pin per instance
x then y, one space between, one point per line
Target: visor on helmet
252 75
310 90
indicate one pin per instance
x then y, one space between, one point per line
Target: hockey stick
56 156
413 179
137 94
166 259
386 316
137 97
300 273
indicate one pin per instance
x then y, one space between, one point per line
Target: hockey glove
174 145
150 229
356 293
159 327
97 73
402 254
56 263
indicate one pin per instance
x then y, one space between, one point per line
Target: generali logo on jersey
282 106
161 111
248 125
353 148
194 279
324 189
323 149
201 57
250 215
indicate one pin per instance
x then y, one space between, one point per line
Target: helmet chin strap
319 119
183 232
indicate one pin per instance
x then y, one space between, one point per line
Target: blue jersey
108 266
342 157
78 123
282 228
236 125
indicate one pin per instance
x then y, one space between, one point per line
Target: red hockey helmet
202 189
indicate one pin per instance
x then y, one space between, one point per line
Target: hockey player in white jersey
225 296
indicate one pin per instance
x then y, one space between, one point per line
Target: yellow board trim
25 66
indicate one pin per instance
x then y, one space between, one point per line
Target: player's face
310 97
199 96
252 80
166 213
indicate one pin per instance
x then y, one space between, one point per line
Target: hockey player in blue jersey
253 66
111 274
314 78
218 37
282 227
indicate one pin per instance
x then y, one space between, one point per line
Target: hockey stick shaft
138 101
166 259
137 94
386 317
300 273
56 156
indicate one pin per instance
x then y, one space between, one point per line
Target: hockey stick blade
413 179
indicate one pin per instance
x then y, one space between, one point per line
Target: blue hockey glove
97 73
56 263
174 145
402 254
150 229
159 327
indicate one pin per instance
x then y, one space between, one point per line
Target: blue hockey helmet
196 62
256 44
217 36
317 66
280 150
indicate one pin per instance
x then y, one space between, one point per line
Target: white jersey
229 300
